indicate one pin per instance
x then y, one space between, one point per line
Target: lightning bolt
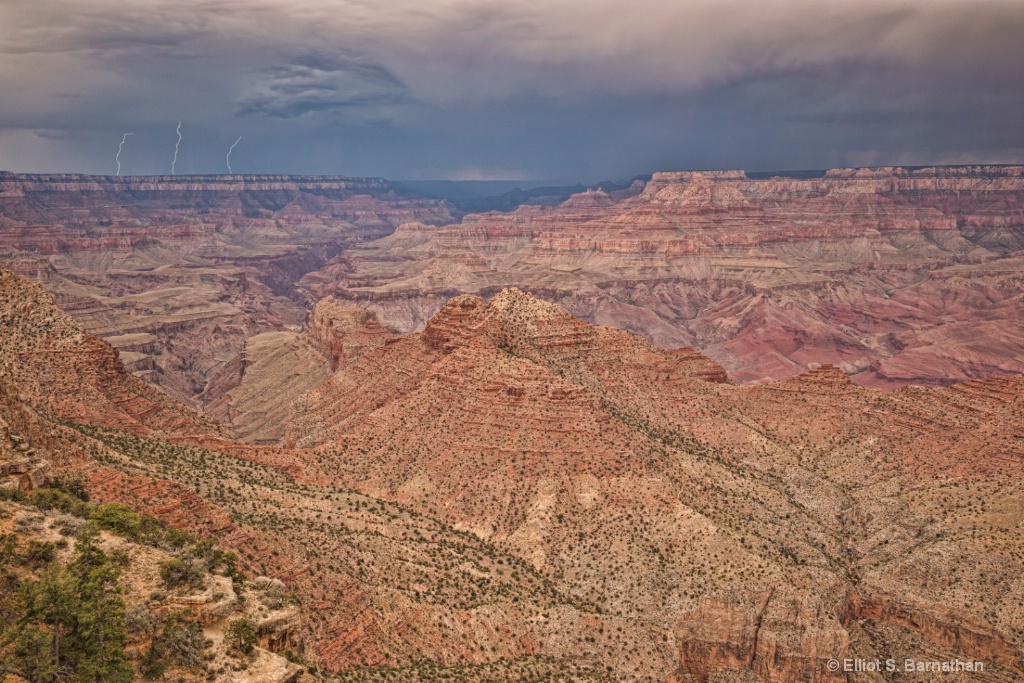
228 157
117 158
176 145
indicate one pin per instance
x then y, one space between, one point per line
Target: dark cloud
319 83
574 89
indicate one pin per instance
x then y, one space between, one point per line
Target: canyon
710 426
516 494
897 276
179 271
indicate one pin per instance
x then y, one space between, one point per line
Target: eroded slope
382 586
515 490
769 527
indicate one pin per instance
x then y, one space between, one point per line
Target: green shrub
120 519
73 485
11 494
242 635
120 557
152 665
38 553
8 548
56 499
187 572
183 641
176 538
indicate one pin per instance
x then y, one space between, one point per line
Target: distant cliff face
897 276
178 271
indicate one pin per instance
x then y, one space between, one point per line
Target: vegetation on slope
64 616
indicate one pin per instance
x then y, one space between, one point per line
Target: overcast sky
480 89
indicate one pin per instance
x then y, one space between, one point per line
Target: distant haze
482 90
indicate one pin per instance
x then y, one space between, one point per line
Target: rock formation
897 276
381 585
513 487
192 265
766 528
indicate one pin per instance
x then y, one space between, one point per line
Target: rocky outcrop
897 276
20 466
950 629
778 637
344 332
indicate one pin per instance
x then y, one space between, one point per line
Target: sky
573 90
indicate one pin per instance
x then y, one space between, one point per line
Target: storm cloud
318 84
527 88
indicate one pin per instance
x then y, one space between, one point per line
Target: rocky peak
513 304
344 331
824 374
589 199
458 320
696 364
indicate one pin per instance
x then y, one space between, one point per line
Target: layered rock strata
766 528
513 489
203 262
896 275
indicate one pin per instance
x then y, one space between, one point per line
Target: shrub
141 621
176 538
8 548
73 485
183 642
152 664
120 558
55 499
124 521
12 494
185 572
68 525
38 553
120 519
242 634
